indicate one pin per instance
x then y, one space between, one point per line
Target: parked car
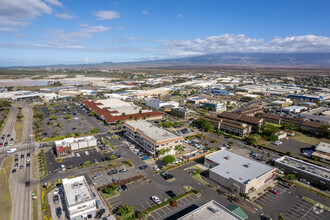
304 181
99 213
274 191
63 167
156 199
78 154
285 184
124 187
97 176
111 172
21 167
170 193
28 165
13 171
143 167
27 184
123 170
86 153
118 189
58 211
114 180
95 161
146 158
56 199
156 168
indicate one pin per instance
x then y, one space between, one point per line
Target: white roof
120 106
152 131
237 167
323 147
76 190
210 211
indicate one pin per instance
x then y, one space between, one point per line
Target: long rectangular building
151 137
113 110
234 171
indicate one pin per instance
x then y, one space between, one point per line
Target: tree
288 126
113 157
269 130
110 189
203 124
289 153
130 117
123 114
290 176
124 210
67 116
53 117
92 113
280 216
179 148
252 139
324 131
168 159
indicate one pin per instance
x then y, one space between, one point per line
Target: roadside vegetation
38 116
19 125
5 196
42 164
4 110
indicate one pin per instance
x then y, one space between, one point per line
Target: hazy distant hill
317 60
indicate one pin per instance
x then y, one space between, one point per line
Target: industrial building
157 104
79 199
196 100
183 113
316 175
322 151
151 137
234 171
113 110
294 109
211 211
63 147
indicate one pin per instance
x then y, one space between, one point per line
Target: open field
308 139
5 198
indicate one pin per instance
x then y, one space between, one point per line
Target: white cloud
18 13
89 60
54 2
179 16
145 12
107 15
64 15
240 43
120 27
61 38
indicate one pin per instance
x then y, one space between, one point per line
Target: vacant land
5 198
308 139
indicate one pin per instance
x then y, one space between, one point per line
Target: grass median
5 198
19 126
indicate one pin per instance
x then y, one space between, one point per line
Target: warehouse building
65 146
234 171
152 138
79 199
322 151
316 175
183 113
294 109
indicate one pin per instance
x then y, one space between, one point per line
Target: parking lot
291 145
107 179
74 161
67 118
268 197
142 191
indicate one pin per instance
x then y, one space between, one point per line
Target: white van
63 167
11 150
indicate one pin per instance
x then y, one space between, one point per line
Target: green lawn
194 167
108 196
5 198
275 125
308 139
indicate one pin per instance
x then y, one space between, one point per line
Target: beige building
234 171
229 126
152 138
79 199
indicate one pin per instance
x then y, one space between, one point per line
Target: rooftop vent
212 209
77 198
247 165
227 158
75 185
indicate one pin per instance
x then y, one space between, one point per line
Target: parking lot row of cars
156 199
197 145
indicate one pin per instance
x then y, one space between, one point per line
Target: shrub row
120 182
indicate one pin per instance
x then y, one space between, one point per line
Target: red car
273 191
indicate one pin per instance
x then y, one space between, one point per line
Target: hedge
120 182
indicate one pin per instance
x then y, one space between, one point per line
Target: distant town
124 144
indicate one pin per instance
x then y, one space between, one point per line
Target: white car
136 150
86 153
78 154
156 199
156 168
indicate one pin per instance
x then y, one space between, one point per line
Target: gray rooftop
323 147
237 167
152 131
76 190
210 211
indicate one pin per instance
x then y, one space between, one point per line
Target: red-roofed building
113 110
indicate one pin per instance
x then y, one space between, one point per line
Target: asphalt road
21 195
9 128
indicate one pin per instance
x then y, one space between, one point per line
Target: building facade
63 147
152 138
79 199
215 106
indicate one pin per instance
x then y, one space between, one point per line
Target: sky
46 32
